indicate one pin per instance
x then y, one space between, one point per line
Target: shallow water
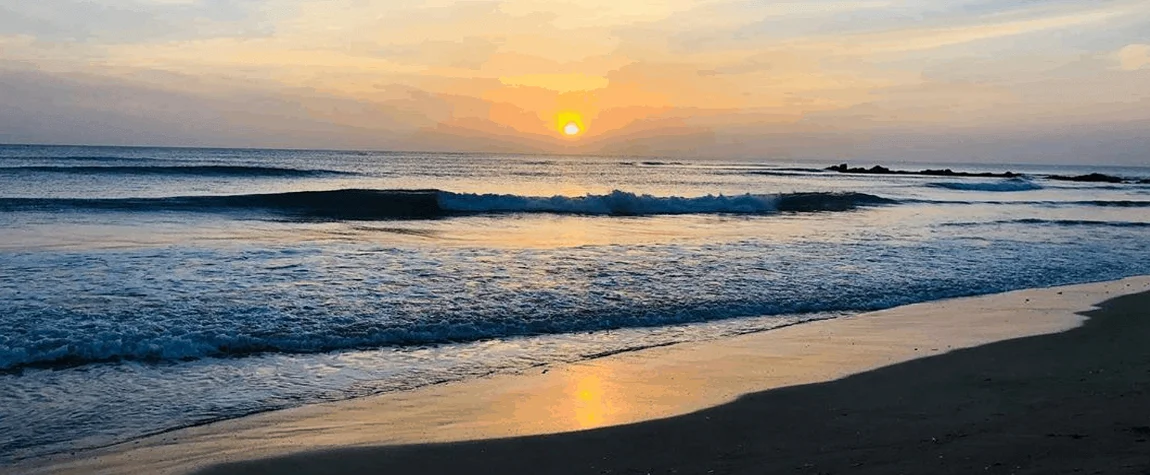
147 289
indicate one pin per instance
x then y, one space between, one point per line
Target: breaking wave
1012 184
361 204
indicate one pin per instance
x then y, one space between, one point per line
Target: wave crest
1013 184
359 204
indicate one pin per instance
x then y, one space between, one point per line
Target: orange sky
678 77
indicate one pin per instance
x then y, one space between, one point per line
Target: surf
368 204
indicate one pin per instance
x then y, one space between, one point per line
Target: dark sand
1072 402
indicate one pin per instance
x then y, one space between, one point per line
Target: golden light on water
589 403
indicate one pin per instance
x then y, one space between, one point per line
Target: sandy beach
1034 381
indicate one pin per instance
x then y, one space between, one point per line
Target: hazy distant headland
881 170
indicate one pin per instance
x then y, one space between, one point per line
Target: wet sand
1020 382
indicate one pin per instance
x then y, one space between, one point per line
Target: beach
605 237
1033 381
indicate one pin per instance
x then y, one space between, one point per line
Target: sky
1021 81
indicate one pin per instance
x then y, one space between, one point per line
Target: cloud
132 21
680 76
468 53
1133 57
38 107
558 82
875 28
930 38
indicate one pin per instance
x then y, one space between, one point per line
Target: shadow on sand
1073 402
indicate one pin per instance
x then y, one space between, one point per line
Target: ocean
148 289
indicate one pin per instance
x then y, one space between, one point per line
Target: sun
570 123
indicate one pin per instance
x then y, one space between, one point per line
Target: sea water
146 289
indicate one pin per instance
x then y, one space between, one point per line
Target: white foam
615 203
1012 184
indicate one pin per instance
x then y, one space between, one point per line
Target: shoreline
624 388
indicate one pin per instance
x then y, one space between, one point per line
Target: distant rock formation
881 170
1091 178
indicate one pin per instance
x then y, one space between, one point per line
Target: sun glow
569 123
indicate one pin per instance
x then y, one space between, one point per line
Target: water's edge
82 452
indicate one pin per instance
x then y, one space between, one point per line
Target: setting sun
569 123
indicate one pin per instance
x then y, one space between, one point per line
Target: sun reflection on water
589 405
